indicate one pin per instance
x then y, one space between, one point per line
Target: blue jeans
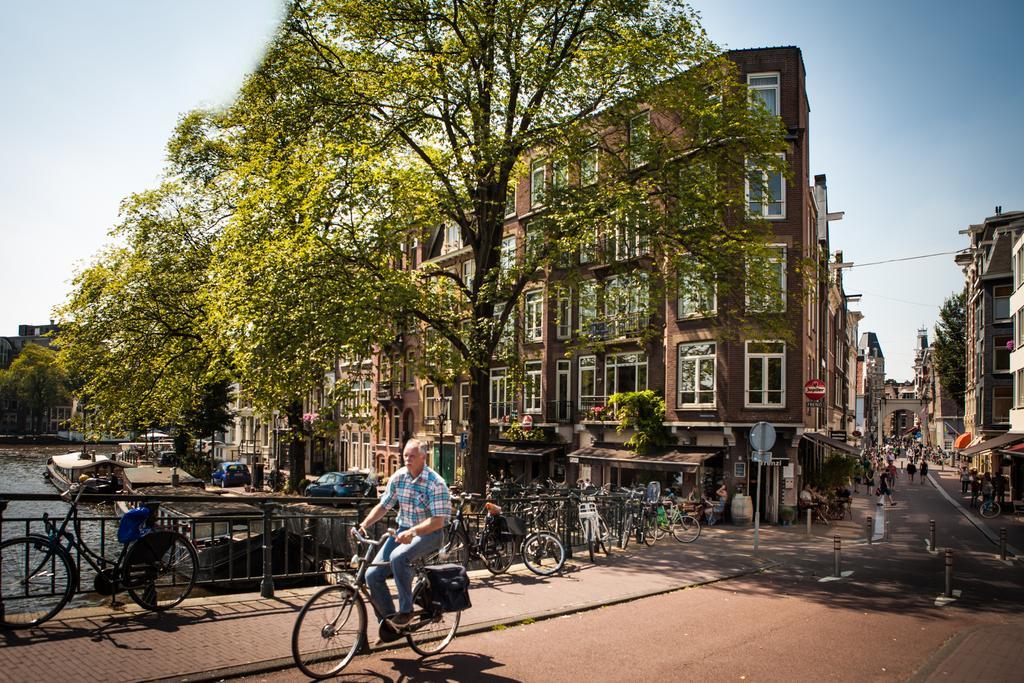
396 558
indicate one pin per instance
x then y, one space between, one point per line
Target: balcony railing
560 412
388 391
500 410
617 327
595 409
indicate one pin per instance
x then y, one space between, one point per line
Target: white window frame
587 365
498 391
563 309
559 173
508 253
616 360
995 297
784 299
1008 410
429 405
452 238
764 357
590 165
766 205
686 305
533 318
753 89
997 349
697 361
510 199
588 293
538 182
468 272
532 400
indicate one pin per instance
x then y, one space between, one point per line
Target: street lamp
444 404
273 463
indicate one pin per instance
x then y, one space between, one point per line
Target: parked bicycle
39 577
990 509
331 627
499 541
595 530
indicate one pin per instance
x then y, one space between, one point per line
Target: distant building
871 372
13 419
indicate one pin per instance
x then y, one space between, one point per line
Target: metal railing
558 411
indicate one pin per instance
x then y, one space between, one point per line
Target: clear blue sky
916 110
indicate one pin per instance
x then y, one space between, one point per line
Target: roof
1001 441
823 440
687 458
510 450
78 460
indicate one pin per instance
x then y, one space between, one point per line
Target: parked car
342 484
231 474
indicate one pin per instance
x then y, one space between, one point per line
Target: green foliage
644 413
515 432
787 513
951 346
836 471
36 381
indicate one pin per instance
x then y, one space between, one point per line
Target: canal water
21 471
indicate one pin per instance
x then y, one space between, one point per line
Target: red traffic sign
814 390
527 423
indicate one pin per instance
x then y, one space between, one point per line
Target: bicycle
684 528
595 530
990 509
39 577
542 551
322 631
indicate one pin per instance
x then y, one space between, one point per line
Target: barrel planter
742 510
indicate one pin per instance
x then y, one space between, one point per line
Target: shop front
526 462
986 456
682 469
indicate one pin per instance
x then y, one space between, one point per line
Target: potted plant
786 514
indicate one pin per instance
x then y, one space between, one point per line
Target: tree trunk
475 462
296 446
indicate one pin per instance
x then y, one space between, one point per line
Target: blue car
341 485
231 474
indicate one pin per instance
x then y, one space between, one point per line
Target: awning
962 441
674 460
823 440
1001 441
517 451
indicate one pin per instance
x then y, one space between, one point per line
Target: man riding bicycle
424 506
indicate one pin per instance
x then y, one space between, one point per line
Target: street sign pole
762 438
757 502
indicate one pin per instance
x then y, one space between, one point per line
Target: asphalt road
879 624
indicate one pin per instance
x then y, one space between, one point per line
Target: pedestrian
858 472
965 479
911 470
924 470
999 484
893 473
885 487
986 488
975 489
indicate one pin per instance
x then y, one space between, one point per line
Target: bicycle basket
515 526
133 525
449 587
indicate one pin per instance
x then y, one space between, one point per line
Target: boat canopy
81 461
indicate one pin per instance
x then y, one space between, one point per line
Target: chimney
999 211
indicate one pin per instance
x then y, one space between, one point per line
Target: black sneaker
400 621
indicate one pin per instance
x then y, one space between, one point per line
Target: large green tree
951 347
371 123
37 382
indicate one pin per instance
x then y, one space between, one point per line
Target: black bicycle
499 541
156 566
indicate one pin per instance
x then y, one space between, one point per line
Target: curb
973 519
270 665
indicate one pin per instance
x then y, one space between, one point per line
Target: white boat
105 472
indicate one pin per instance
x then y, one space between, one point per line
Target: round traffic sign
527 422
814 390
762 436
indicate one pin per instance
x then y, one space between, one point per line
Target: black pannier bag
513 526
449 587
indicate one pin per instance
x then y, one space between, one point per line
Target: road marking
942 600
826 579
927 546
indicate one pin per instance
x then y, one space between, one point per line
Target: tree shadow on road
451 666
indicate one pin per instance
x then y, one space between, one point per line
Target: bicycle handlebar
368 541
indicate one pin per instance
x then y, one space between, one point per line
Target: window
505 337
464 402
510 199
588 166
764 88
396 427
408 370
531 389
627 240
538 170
508 253
429 405
696 370
1018 269
452 238
695 296
588 383
766 193
1018 389
1018 327
774 299
626 298
366 450
589 248
1002 397
766 374
564 322
625 372
499 393
1000 353
563 411
588 305
639 139
468 271
1001 301
534 324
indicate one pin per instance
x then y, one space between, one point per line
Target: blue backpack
133 525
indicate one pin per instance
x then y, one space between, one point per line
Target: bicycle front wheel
160 570
686 529
36 580
991 510
627 531
328 631
431 630
543 553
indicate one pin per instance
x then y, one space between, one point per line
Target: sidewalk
214 637
949 481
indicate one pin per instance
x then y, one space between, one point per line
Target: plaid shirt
418 498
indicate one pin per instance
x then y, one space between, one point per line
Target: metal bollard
871 528
949 572
887 529
837 543
267 584
808 521
1002 544
931 535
